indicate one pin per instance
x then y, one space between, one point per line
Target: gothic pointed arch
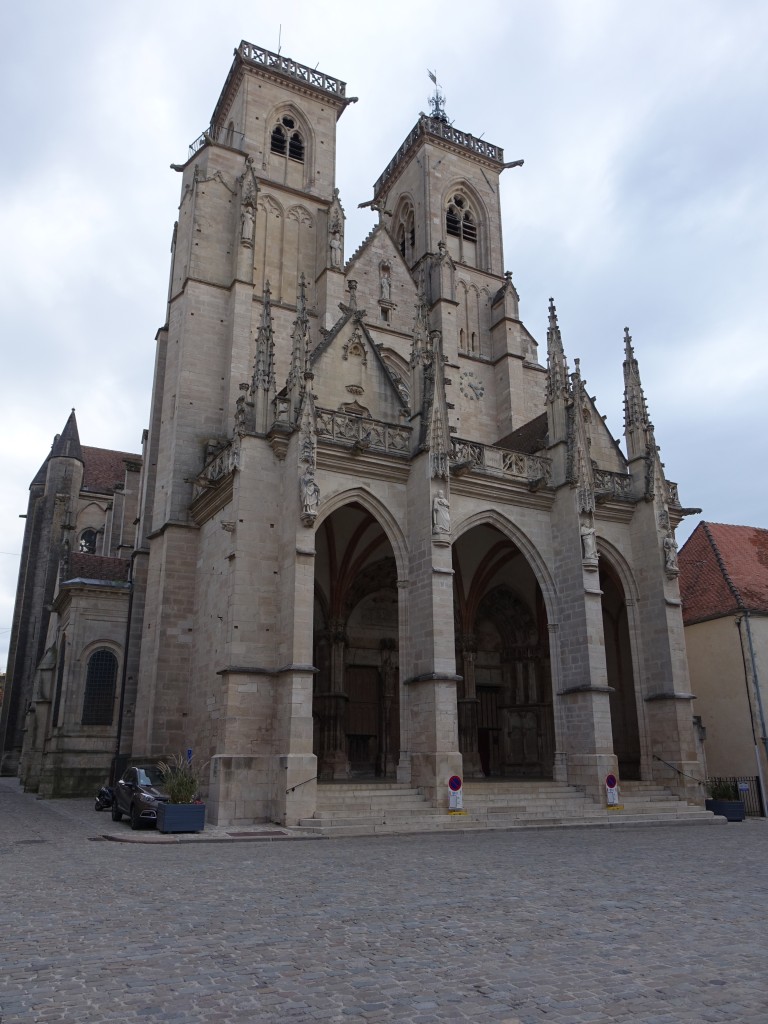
532 555
623 664
465 225
403 228
505 697
289 146
379 511
355 704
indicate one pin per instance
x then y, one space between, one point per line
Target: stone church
374 532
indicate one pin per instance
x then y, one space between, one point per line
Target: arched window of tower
287 138
461 230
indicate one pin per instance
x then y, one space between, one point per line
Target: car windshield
149 776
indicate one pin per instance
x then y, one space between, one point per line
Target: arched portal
506 722
355 705
618 659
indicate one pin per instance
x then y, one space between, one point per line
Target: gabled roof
103 468
723 571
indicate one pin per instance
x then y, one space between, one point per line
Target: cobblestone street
654 925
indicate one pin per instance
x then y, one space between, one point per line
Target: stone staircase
389 808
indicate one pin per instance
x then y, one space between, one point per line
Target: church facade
380 535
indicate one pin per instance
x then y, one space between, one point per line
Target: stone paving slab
661 926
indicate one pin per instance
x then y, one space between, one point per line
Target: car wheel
135 817
117 814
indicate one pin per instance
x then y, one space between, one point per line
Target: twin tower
379 534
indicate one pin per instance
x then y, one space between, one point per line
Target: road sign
454 783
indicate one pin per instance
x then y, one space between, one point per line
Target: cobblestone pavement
653 925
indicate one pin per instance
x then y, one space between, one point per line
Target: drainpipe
744 617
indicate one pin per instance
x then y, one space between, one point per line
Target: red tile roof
98 567
104 468
723 571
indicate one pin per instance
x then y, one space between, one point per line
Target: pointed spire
263 372
557 367
300 351
636 422
66 445
263 380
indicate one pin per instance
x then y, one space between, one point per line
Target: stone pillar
580 676
333 708
468 706
430 669
388 671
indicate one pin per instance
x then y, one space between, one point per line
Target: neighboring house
724 588
378 535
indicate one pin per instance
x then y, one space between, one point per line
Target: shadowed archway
355 706
506 723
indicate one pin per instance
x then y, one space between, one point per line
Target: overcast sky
642 202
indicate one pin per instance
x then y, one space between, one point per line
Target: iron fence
749 792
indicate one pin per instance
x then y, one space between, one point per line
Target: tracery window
405 233
100 680
287 138
461 229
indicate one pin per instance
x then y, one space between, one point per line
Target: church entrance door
355 706
506 723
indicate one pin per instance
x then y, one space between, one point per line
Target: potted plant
184 811
724 799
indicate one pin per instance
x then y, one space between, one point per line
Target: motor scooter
104 798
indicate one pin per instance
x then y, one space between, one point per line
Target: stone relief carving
310 496
670 555
247 221
441 514
385 283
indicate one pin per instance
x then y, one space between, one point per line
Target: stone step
462 824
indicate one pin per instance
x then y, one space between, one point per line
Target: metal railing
749 791
311 76
434 126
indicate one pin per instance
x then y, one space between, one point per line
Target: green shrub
722 789
182 778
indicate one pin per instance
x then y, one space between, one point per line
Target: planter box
180 817
732 810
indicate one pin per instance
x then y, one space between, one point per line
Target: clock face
470 387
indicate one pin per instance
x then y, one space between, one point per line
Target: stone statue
441 514
670 554
247 220
386 285
335 244
310 494
588 543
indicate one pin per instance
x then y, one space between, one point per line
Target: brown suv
137 794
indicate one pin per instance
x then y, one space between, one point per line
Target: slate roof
530 438
83 566
104 468
723 571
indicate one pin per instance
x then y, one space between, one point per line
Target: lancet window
461 229
287 139
405 232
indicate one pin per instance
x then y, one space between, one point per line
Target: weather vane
437 100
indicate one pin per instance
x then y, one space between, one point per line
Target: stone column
468 706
